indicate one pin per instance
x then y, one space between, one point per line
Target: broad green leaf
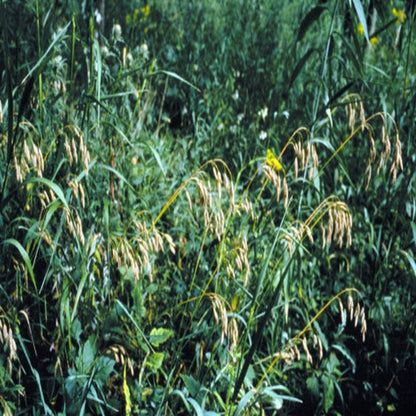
159 336
192 385
155 360
104 367
86 355
76 330
328 392
312 383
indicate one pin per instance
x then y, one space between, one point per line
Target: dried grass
7 339
391 148
308 338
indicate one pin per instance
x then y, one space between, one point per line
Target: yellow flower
400 14
146 11
128 19
360 29
374 41
273 161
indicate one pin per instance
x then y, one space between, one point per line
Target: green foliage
207 207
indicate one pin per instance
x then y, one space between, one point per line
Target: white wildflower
263 135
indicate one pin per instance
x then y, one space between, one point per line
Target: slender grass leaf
9 86
25 257
78 295
340 92
24 101
55 188
176 76
361 17
244 402
311 17
118 95
196 406
46 409
126 392
177 392
339 390
346 354
119 175
120 132
274 399
43 59
301 63
379 70
158 160
352 54
411 261
135 324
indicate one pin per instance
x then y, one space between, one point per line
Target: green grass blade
361 17
136 325
176 76
307 21
44 58
119 175
244 402
55 188
25 256
301 63
158 160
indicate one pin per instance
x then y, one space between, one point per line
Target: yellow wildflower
400 14
146 11
128 19
374 41
273 161
360 29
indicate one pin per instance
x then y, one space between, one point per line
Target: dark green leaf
311 17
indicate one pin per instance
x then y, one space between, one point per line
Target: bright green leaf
155 360
159 336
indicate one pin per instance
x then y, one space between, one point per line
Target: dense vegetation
207 207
